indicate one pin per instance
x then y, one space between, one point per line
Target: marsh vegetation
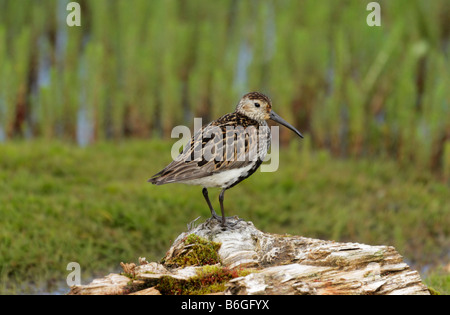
86 115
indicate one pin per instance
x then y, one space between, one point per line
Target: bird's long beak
275 117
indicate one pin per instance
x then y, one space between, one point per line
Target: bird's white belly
222 179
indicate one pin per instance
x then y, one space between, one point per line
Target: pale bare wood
112 284
285 264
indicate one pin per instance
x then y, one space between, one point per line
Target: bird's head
258 106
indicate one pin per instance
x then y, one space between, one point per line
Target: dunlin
226 151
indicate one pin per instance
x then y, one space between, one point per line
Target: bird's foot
215 216
227 222
230 222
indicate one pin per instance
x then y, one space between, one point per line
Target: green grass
438 281
60 203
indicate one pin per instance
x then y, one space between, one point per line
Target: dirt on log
244 260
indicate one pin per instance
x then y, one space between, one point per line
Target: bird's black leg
213 213
224 219
221 197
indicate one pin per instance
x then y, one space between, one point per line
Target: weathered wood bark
279 264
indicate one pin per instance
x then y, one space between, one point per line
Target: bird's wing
220 146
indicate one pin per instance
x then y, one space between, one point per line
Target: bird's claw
225 222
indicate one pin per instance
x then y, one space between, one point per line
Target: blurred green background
86 115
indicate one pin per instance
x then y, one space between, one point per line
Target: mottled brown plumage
226 151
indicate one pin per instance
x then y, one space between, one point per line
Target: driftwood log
274 264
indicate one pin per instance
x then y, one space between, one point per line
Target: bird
226 151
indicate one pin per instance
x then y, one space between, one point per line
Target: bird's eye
257 105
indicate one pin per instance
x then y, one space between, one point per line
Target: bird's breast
223 179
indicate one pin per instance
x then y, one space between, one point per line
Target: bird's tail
154 181
163 177
157 178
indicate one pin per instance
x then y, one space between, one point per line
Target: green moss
209 279
379 255
197 251
433 291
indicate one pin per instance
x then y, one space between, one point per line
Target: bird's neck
254 120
